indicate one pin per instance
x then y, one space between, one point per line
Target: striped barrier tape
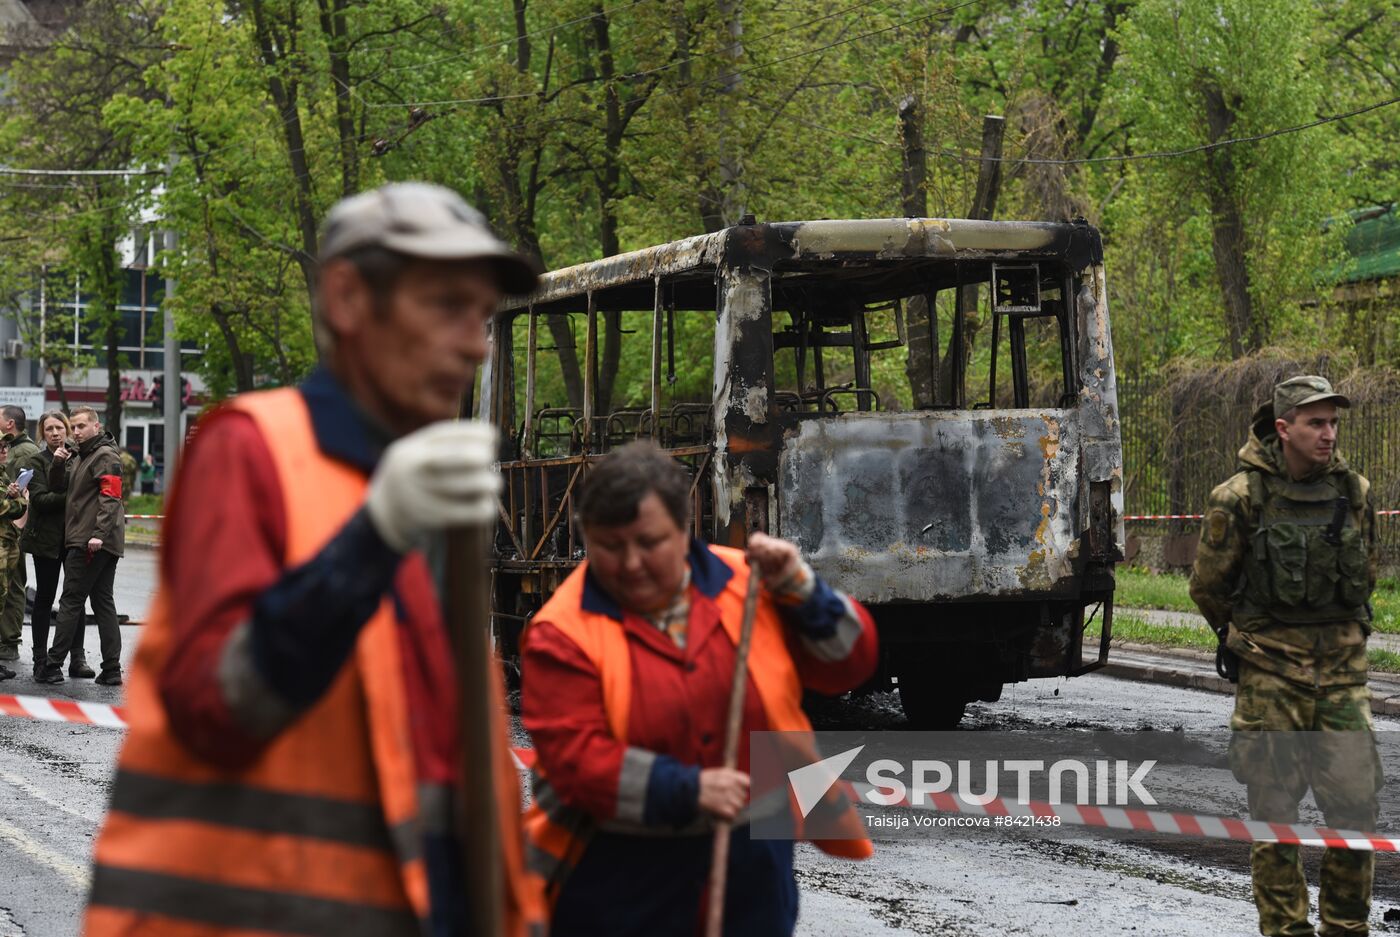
1197 517
1148 821
62 710
1114 818
145 517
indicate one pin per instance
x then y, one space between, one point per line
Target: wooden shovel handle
719 862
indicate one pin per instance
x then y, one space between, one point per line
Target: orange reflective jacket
556 835
322 834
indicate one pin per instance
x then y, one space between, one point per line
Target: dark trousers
87 579
46 572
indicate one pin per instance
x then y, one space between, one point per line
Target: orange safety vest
322 834
558 834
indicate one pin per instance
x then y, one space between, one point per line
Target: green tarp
1374 245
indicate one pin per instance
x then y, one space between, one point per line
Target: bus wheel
930 706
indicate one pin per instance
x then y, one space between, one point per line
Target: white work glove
441 476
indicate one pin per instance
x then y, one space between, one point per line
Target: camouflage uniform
12 568
1284 574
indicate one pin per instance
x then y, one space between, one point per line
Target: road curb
1145 670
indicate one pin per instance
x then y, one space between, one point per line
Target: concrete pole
173 388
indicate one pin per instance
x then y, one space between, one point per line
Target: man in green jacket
22 452
1284 574
94 535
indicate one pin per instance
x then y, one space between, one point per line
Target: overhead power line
15 171
1187 151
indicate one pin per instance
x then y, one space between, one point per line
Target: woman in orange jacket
626 679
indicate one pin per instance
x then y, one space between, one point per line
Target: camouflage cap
1305 389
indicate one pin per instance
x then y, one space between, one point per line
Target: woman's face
640 564
54 433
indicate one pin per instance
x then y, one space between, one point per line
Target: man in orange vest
292 757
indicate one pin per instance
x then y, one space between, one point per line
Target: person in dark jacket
94 533
43 540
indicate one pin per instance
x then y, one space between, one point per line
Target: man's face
7 426
1312 436
640 564
416 350
85 427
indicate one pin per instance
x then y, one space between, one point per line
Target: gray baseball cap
423 220
1303 390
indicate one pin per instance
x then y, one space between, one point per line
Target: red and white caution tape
63 710
1197 517
1114 818
1035 812
145 517
1162 517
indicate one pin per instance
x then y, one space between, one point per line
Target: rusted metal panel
928 506
1098 402
745 432
632 267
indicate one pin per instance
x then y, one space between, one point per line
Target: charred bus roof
886 256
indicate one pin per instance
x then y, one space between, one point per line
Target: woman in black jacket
43 537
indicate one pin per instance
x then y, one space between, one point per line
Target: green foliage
1135 587
585 128
1130 630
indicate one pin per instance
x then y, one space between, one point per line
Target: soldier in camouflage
1284 574
19 449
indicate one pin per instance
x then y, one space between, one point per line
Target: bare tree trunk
1108 55
520 212
274 50
707 195
333 25
112 419
984 203
733 197
57 374
921 323
608 177
1228 237
242 361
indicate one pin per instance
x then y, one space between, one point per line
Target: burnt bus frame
735 268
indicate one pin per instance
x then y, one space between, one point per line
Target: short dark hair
380 267
622 479
15 413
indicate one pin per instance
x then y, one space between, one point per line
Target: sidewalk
1195 669
1157 616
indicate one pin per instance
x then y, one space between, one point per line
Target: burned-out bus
926 407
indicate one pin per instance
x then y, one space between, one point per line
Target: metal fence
1175 451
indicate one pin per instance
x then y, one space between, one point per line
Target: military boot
78 668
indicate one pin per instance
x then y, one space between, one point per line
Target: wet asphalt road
54 781
981 882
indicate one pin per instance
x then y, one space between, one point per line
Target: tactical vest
1306 561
